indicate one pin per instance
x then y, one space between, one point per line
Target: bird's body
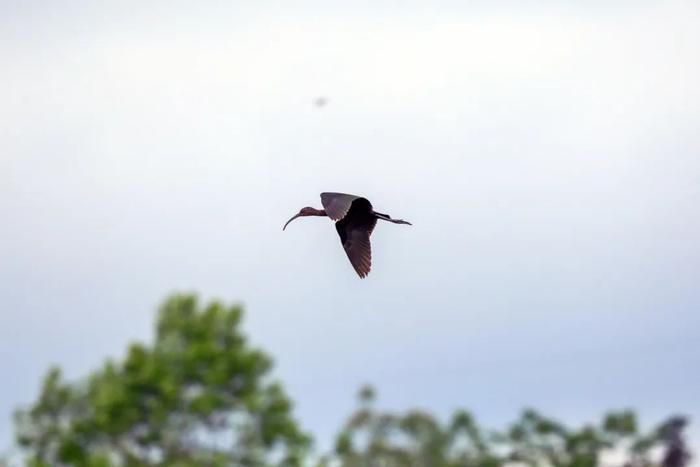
355 220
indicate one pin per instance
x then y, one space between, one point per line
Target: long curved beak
290 220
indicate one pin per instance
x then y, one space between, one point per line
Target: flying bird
354 220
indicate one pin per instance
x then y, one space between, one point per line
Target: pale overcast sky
547 152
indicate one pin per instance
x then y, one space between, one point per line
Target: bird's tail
386 217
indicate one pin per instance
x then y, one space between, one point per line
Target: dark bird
354 220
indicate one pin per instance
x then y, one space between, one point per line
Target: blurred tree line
201 395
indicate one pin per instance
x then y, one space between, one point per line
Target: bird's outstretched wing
354 231
337 205
357 247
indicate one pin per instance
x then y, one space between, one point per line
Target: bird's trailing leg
387 217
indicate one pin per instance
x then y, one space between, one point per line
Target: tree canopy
372 438
201 395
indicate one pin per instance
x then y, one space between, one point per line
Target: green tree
199 395
371 438
416 438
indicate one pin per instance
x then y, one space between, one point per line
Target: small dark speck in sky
320 101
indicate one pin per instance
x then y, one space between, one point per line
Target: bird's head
307 211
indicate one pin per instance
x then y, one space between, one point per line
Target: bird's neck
319 212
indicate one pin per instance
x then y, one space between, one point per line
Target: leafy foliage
417 439
199 395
